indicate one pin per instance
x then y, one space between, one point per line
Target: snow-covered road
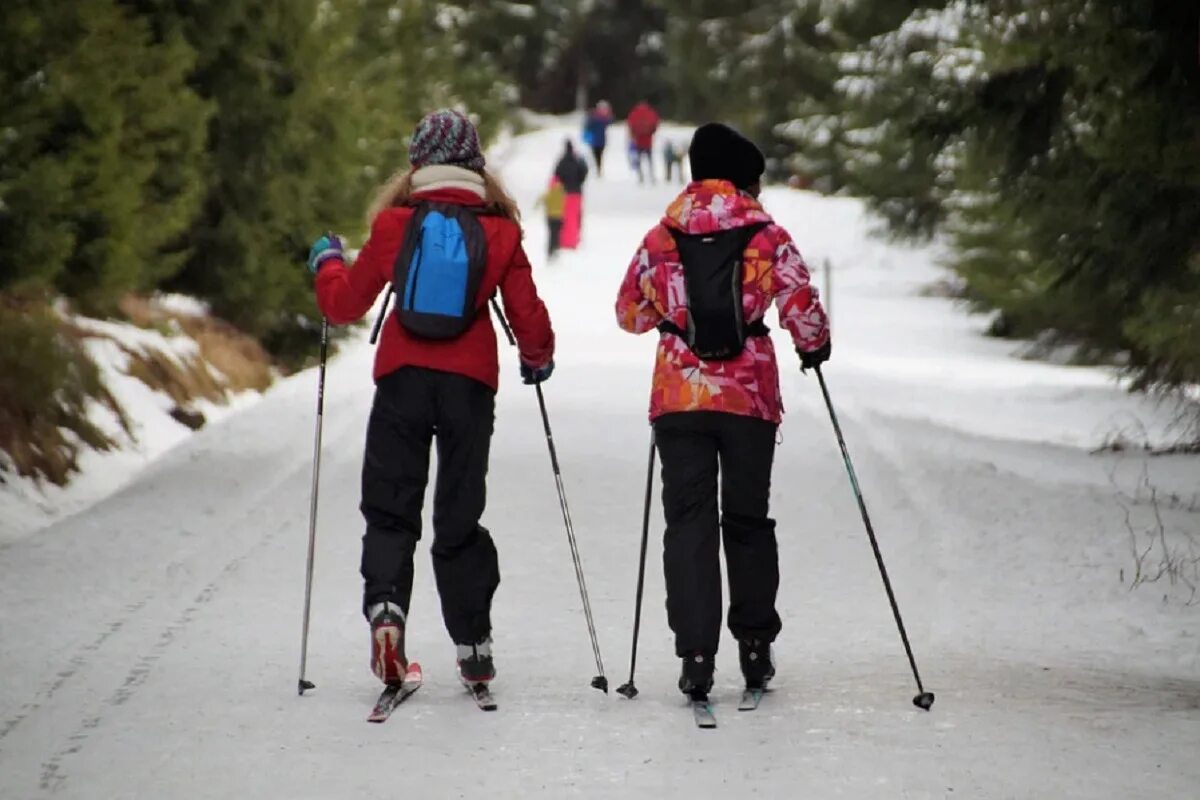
149 646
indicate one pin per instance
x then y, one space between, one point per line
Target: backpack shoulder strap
410 242
758 327
750 231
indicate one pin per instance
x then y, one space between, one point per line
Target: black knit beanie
718 151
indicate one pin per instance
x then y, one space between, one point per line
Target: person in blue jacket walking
595 131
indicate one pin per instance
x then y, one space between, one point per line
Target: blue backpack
438 271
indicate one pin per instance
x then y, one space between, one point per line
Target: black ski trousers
696 447
598 155
412 406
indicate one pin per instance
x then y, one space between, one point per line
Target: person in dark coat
572 171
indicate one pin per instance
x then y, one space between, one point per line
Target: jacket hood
713 205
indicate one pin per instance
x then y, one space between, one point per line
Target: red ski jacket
642 122
345 294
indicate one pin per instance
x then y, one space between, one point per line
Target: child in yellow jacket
554 200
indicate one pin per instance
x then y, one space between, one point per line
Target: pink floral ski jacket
773 272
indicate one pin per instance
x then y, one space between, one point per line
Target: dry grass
48 381
239 359
183 380
38 447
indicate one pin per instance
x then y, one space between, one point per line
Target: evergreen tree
277 160
826 118
769 70
1056 144
98 166
406 59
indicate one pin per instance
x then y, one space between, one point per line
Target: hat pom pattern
446 137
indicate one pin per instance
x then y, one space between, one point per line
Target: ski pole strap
756 328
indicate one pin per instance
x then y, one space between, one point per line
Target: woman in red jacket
427 388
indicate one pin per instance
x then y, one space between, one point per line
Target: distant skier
553 200
642 123
672 161
572 171
595 132
715 403
436 373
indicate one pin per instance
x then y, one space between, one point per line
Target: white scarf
446 176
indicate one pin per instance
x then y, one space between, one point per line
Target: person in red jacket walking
642 123
715 404
434 388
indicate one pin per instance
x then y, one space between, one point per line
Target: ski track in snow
150 645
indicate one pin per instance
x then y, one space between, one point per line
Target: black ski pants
598 155
412 406
696 447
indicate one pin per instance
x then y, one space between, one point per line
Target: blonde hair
398 192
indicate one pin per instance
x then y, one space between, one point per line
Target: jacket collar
443 176
713 205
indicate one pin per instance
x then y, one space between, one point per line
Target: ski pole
628 689
503 322
924 699
312 509
599 681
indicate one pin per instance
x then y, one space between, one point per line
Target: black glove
815 358
531 375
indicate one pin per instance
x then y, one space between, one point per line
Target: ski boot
696 678
475 665
757 662
387 642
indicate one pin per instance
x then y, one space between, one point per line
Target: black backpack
438 270
712 277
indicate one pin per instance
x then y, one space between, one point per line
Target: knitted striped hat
445 137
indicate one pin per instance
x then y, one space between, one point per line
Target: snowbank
26 505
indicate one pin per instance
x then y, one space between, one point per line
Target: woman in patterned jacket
715 417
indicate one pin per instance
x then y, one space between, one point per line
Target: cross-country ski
750 699
702 713
395 694
482 696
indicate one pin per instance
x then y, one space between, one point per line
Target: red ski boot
387 643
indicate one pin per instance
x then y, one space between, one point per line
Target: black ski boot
696 679
757 662
475 663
